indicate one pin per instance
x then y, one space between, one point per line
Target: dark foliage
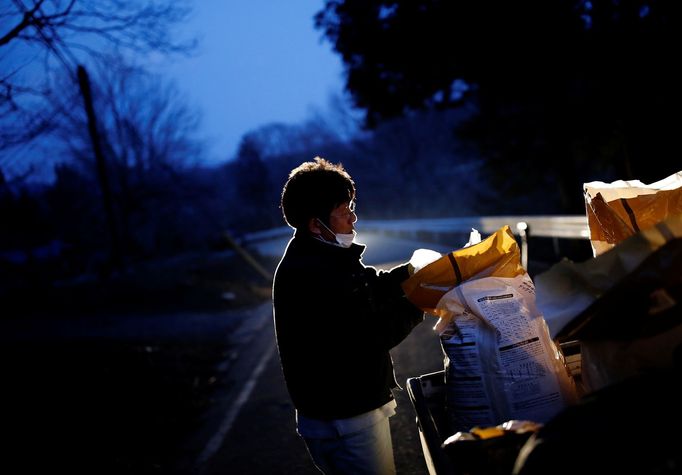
568 91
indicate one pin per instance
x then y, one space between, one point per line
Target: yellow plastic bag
496 256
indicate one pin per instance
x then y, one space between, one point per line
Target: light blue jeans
368 451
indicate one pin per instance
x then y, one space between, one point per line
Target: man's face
342 218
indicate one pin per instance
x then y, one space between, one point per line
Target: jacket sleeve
396 315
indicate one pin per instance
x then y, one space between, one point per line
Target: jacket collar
308 241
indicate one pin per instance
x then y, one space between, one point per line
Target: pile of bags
500 361
623 304
498 330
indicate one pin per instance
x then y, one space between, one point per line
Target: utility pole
84 82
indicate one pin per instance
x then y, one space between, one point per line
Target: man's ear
314 227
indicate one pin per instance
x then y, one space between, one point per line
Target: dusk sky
258 62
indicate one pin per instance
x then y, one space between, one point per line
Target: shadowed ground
115 376
135 375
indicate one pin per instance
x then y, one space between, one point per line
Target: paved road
253 430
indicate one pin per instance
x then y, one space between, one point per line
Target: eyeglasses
351 210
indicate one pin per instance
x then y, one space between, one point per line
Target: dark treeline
568 91
409 167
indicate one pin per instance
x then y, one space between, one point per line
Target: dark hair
313 190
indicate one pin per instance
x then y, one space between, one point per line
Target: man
336 320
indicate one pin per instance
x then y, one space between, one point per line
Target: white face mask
345 240
342 240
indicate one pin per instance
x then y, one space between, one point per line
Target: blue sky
258 62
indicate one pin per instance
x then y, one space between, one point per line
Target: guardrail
568 226
563 226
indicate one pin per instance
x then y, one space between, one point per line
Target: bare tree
146 123
149 139
276 139
40 38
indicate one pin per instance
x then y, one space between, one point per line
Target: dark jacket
336 321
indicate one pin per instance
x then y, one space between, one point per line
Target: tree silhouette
252 194
41 38
149 141
567 91
50 37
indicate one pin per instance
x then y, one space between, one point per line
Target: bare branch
26 20
63 34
